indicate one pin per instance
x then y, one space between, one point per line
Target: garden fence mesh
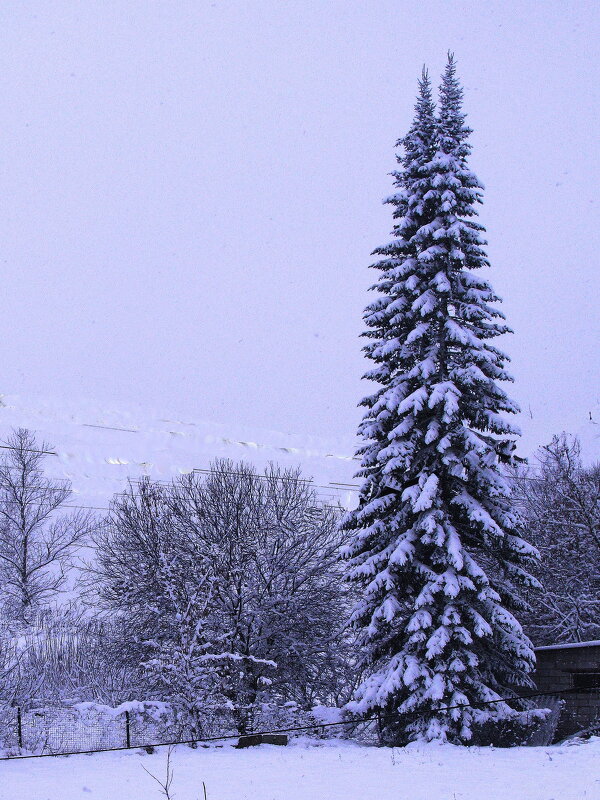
65 730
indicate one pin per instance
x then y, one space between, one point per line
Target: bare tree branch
560 502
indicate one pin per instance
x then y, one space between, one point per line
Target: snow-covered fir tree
433 543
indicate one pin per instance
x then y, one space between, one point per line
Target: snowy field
330 772
98 447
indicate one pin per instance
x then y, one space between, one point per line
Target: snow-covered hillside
98 447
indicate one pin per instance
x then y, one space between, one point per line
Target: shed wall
554 672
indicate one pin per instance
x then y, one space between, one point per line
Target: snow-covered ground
336 771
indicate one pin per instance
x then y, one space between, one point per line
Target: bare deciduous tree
230 584
274 550
559 499
159 589
37 543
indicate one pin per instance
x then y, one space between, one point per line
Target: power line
88 508
333 485
108 427
28 450
309 481
106 508
204 470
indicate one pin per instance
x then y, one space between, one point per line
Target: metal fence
66 730
56 730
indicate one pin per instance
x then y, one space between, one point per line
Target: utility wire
332 485
28 450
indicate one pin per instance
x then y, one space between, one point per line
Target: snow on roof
568 645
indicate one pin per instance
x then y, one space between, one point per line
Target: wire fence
69 730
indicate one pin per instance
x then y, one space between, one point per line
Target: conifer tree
433 543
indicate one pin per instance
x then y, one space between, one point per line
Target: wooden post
19 728
127 730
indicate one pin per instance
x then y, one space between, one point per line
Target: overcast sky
190 192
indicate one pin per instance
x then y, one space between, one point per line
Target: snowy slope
98 447
331 772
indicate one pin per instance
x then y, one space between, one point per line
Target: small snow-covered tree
434 541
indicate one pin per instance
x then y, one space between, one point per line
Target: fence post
127 730
19 728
